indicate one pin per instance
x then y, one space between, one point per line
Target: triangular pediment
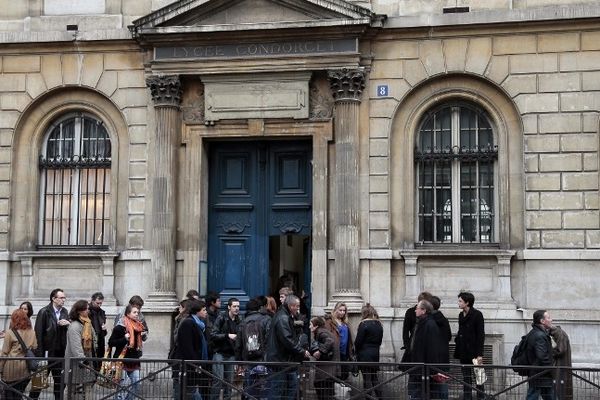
221 15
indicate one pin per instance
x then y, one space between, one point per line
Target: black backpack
254 341
519 357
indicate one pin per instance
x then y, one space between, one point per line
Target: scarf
203 345
134 328
87 336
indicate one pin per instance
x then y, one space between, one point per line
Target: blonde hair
334 315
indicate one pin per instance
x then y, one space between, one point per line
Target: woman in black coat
469 341
369 336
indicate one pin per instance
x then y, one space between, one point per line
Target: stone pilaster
166 94
346 86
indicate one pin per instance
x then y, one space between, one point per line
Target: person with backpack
250 346
539 354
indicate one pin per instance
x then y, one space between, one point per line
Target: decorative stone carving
320 100
165 90
192 105
346 85
291 222
232 223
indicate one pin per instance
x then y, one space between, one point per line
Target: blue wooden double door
259 222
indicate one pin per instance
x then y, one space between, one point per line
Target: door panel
290 194
256 189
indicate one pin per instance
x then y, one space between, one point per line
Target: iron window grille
456 162
75 184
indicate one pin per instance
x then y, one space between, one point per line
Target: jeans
132 389
439 391
223 373
284 386
540 387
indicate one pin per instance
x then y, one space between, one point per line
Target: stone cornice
485 17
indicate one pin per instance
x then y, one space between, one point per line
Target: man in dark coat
222 337
98 318
192 345
539 354
51 326
426 346
469 341
445 337
283 346
410 320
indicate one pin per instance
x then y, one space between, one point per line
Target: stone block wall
550 79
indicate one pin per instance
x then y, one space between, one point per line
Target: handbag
39 380
33 364
111 370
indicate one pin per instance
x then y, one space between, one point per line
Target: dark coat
118 341
369 336
562 358
282 340
428 342
50 336
408 327
189 342
539 349
219 334
445 335
190 339
264 320
327 344
98 318
470 336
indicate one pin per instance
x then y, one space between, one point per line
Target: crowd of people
427 334
76 334
272 331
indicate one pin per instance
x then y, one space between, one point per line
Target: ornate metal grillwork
75 184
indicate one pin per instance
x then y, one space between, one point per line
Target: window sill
70 252
455 250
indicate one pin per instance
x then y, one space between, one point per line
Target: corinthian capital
346 84
165 90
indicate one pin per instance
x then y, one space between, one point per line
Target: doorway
260 216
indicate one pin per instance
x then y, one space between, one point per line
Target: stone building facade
369 150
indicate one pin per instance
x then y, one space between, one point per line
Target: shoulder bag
32 363
111 370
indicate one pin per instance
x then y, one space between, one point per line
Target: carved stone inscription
256 96
279 48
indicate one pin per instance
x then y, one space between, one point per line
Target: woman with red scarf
127 334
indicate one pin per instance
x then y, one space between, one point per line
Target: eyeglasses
61 298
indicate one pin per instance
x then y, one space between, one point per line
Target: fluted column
166 94
346 86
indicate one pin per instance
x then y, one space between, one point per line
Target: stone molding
166 90
346 84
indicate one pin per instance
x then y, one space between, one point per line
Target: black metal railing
174 379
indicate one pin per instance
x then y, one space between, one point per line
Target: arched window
75 183
456 159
